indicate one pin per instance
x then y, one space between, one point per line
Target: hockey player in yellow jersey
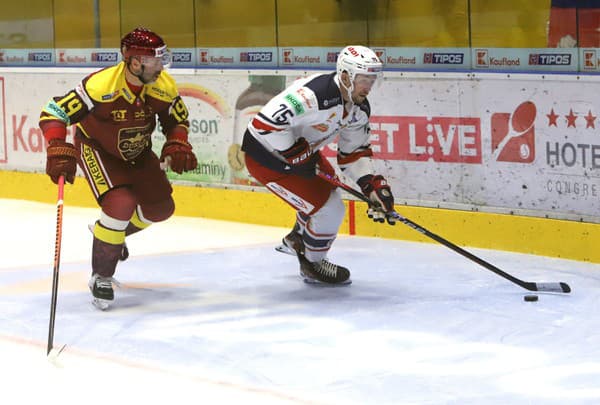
115 110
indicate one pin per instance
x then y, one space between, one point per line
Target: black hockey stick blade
531 286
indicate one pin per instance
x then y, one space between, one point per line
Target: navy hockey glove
380 194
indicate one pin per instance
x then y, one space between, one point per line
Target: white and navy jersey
312 108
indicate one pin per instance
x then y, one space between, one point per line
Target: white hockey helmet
357 59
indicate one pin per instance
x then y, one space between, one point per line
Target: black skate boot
102 290
323 271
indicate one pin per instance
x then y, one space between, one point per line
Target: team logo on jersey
133 141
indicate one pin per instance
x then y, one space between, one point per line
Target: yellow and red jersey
111 117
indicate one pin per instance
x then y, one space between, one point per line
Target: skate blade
284 249
312 281
101 304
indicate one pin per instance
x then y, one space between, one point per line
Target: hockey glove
181 157
380 194
61 160
301 159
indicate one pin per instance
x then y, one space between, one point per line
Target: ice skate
323 271
291 244
102 291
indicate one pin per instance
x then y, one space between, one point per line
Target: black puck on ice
530 298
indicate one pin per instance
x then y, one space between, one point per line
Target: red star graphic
571 119
552 117
590 120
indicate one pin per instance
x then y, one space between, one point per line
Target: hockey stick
528 285
57 246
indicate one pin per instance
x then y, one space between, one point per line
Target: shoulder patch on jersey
110 96
56 111
104 84
164 88
297 104
327 92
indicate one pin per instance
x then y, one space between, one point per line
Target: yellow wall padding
547 237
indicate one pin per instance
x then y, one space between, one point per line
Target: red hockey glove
380 194
181 157
298 153
301 159
61 159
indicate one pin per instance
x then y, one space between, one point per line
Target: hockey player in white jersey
282 150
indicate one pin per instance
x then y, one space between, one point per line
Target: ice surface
210 313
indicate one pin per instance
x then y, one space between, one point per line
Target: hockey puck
530 298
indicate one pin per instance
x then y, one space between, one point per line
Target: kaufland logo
40 57
182 57
203 56
513 134
549 59
443 58
64 58
332 57
104 56
590 60
288 56
256 56
482 58
380 52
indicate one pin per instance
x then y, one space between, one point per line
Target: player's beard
358 99
148 77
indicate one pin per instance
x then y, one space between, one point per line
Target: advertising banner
27 57
526 144
589 59
237 57
3 152
425 59
393 58
526 59
515 144
87 57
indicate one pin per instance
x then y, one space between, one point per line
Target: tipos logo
513 135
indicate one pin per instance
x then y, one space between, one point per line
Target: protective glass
365 81
162 58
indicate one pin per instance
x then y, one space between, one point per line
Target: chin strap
348 93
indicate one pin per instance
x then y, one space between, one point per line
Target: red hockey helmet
143 42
